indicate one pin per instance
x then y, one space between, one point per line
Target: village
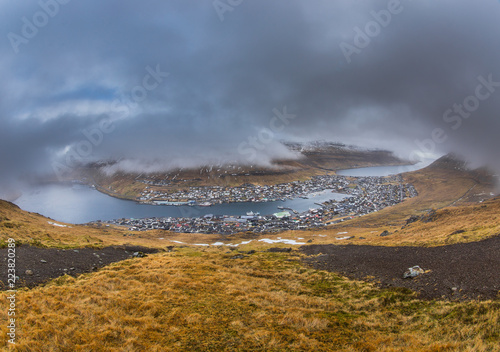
206 196
364 195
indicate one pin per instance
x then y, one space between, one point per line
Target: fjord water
381 171
78 204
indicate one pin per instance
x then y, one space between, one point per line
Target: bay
78 204
382 171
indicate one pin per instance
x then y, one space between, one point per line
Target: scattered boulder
280 250
385 233
413 272
29 272
429 217
411 220
138 255
239 256
43 261
143 250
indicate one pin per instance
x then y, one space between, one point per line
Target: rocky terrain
459 272
36 265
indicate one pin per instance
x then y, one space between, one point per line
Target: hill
263 296
204 300
454 204
446 210
315 159
35 229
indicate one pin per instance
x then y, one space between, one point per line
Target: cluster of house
205 196
366 195
370 194
226 225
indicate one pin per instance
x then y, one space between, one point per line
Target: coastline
204 200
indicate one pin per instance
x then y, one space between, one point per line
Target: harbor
362 195
329 194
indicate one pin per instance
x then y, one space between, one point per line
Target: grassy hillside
205 301
31 228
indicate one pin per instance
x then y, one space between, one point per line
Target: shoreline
284 197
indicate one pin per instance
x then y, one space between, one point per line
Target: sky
163 84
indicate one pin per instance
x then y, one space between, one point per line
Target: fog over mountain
160 84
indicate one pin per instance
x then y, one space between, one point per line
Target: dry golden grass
35 229
204 301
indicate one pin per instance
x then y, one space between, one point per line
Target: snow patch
267 240
58 225
343 238
230 244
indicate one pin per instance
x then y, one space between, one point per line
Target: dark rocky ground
38 265
459 272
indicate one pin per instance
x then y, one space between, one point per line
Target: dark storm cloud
89 63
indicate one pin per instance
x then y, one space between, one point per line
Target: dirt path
462 197
461 271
